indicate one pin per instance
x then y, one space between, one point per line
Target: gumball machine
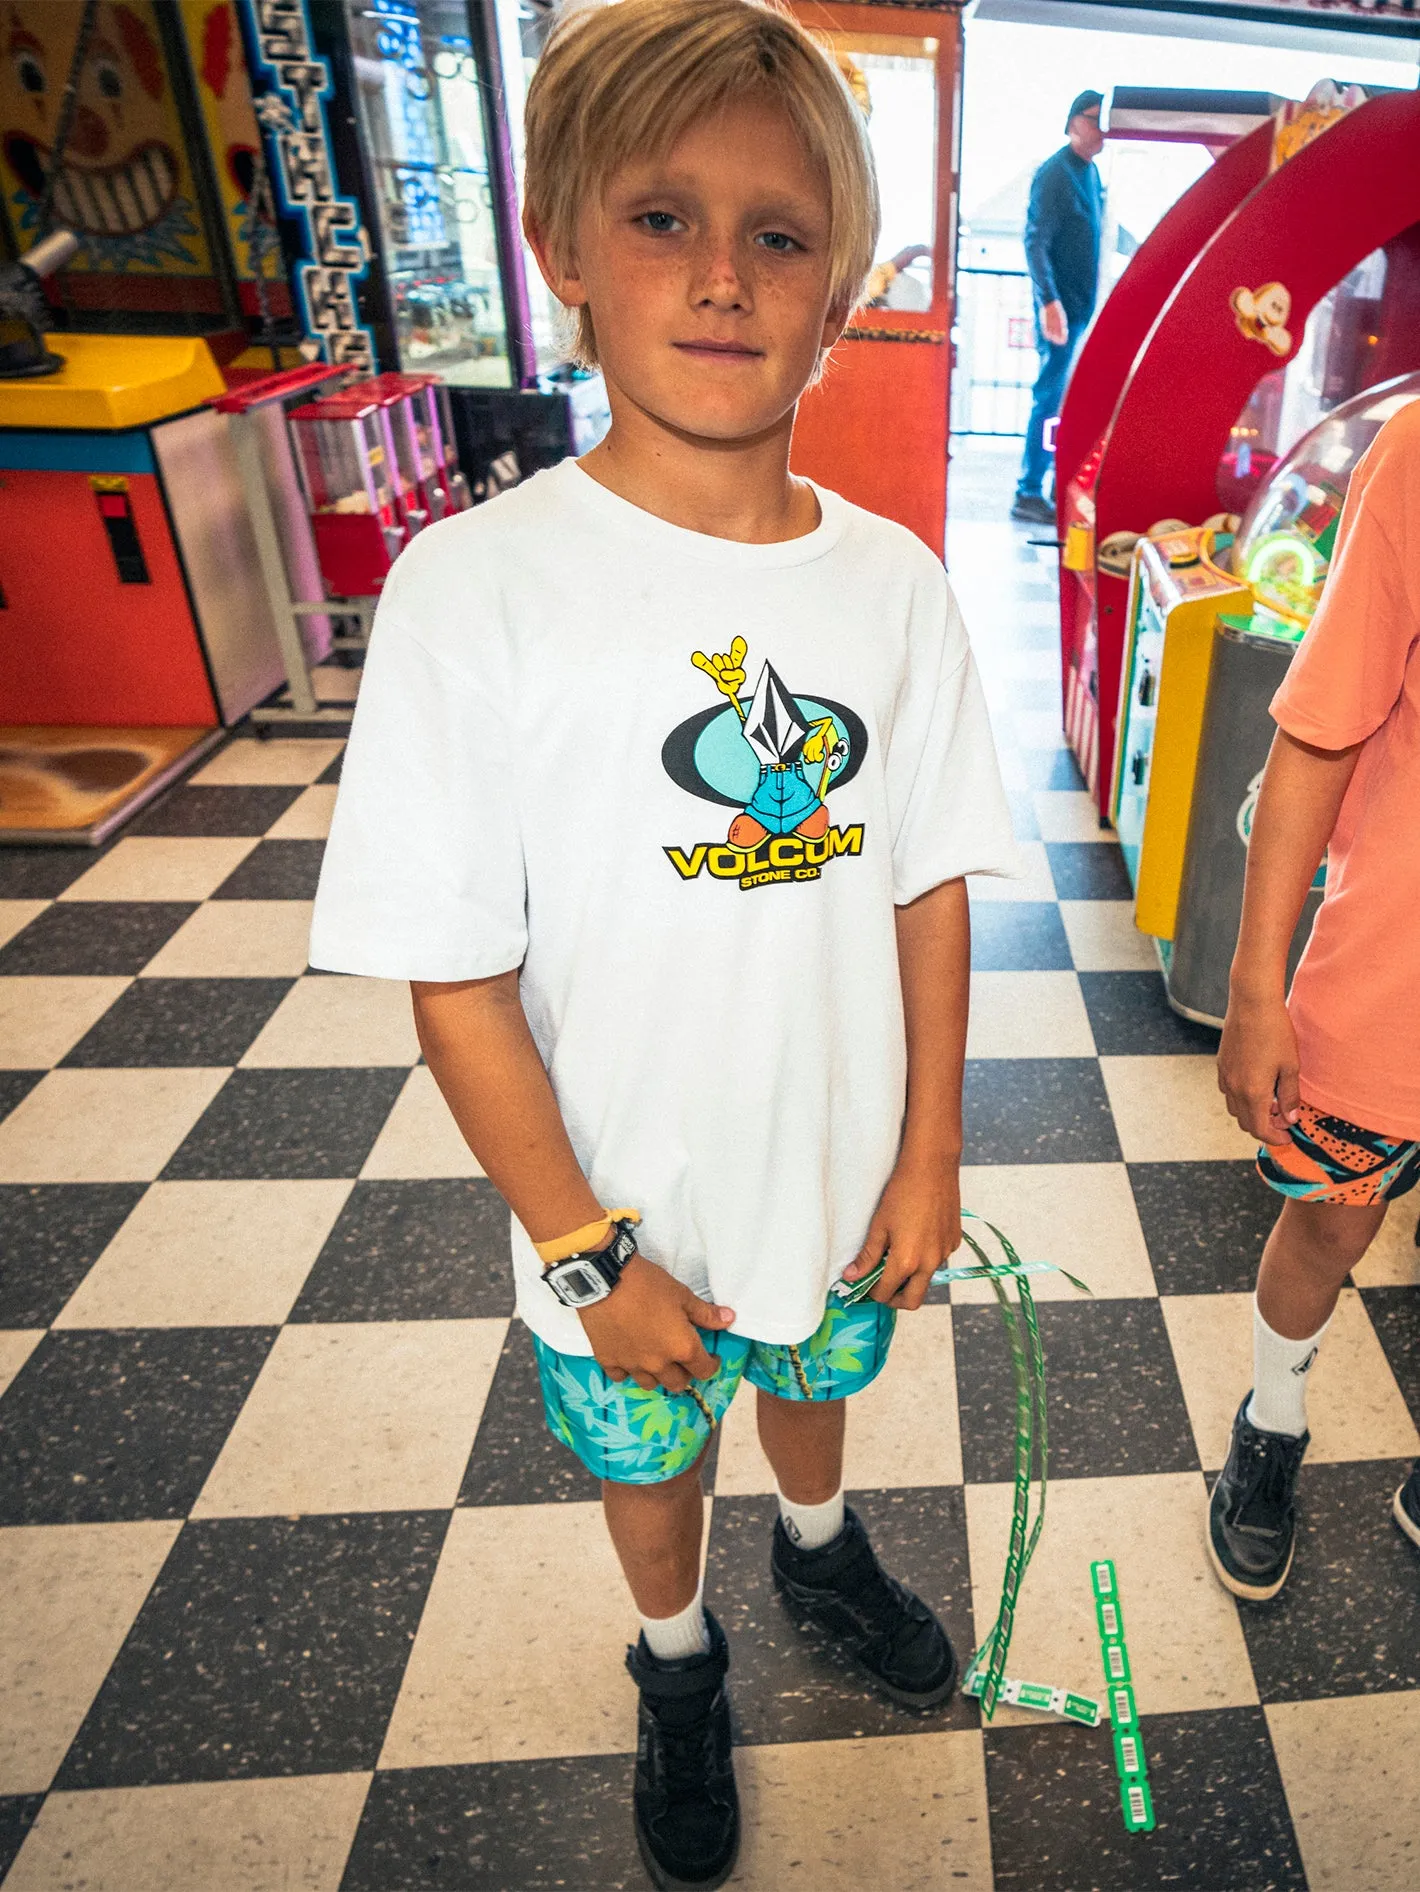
439 420
348 470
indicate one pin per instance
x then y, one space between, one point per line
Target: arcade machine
875 428
1305 293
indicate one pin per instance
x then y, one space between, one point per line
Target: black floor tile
1114 1406
788 1684
42 873
1132 1018
207 811
330 775
1204 1224
18 1812
267 1646
1018 936
100 1426
1395 1315
431 1250
287 1123
1052 768
159 1022
515 1459
508 1826
1037 1110
1024 824
1221 1812
51 1234
275 870
94 937
1088 870
1348 1622
15 1086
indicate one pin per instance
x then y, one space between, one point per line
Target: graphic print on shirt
775 757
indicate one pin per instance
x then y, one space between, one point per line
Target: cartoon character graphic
1262 315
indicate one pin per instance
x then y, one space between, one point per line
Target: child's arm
918 1220
1300 798
476 1041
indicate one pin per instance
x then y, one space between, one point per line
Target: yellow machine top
113 381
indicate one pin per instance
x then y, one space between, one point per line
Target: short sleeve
948 808
423 874
1349 671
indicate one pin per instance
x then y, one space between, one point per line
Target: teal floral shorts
633 1437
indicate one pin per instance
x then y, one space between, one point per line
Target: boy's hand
917 1224
645 1329
1257 1067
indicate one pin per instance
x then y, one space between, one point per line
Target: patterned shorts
1330 1160
633 1437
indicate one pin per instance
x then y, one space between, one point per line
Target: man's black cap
1084 102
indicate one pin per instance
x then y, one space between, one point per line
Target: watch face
579 1285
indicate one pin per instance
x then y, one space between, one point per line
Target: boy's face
706 273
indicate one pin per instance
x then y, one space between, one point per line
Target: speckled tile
505 1826
41 1018
1037 1110
491 1674
1027 1015
1348 1622
208 1254
1031 882
15 916
280 762
789 1684
267 1646
18 1813
15 1086
1186 1648
1393 1258
103 1126
431 1250
1395 1317
238 939
330 776
332 1021
100 1427
1018 936
1132 1017
287 1123
102 938
1104 938
275 870
50 1237
515 1459
1222 1816
236 1835
420 1138
1115 1406
1168 1109
1205 1224
1354 1407
161 867
71 1594
356 1416
42 873
166 1022
336 683
1079 1215
308 817
1349 1770
190 810
1088 870
16 1346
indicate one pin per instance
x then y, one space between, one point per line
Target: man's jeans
1045 404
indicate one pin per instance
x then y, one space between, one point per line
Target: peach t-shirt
1355 1000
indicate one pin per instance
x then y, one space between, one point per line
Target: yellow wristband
582 1239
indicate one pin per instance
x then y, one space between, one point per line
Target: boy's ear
837 319
560 275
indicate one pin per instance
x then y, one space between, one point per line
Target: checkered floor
298 1592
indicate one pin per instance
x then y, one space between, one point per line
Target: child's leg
803 1442
656 1530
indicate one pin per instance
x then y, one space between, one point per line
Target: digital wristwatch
583 1280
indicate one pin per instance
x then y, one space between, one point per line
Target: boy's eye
661 222
778 241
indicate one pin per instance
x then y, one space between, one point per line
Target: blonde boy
665 775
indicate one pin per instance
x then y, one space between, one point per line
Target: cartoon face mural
124 186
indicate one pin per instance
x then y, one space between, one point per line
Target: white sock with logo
673 1638
1279 1377
811 1526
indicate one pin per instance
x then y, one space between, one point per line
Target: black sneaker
842 1589
687 1811
1405 1508
1033 510
1252 1519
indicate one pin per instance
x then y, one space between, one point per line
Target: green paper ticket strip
1135 1796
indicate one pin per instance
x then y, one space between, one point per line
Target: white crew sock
811 1526
1279 1377
673 1638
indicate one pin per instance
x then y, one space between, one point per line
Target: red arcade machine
1220 349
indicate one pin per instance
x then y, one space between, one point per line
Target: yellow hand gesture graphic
726 671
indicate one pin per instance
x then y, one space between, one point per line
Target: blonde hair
624 82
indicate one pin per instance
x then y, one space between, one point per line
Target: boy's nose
719 279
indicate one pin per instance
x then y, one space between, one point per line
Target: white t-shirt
539 775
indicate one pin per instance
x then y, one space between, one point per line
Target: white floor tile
1170 1110
103 1126
1393 1259
1069 814
308 817
326 1021
279 762
1081 1216
1348 1766
1028 1015
1104 938
162 867
420 1137
237 939
333 683
41 1020
15 916
16 1346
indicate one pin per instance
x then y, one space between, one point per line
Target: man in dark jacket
1062 254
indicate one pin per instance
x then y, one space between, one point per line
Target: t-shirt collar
659 534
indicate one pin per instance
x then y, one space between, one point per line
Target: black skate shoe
843 1590
1252 1518
1405 1508
687 1811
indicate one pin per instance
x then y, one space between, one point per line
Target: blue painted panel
54 452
